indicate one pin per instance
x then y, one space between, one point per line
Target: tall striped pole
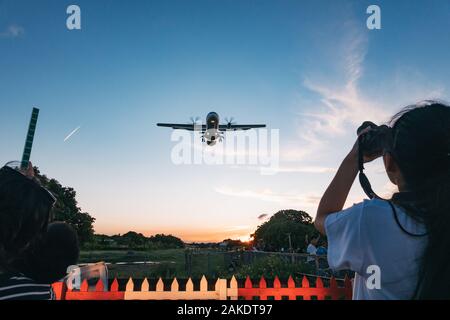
29 140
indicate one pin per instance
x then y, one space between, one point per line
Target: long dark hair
422 150
48 259
24 215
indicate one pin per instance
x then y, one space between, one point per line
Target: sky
311 69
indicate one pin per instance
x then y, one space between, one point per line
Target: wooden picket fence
292 292
222 290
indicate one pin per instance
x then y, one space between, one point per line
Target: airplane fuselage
212 120
212 133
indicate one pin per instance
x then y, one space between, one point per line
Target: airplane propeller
230 122
194 120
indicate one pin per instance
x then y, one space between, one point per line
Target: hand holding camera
373 141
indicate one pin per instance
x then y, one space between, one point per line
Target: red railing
86 293
223 290
292 292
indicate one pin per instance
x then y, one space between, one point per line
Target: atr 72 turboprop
212 131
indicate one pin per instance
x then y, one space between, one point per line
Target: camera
375 141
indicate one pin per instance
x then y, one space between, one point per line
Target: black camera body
376 141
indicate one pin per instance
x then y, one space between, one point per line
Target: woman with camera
399 248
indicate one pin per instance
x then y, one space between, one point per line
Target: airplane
212 130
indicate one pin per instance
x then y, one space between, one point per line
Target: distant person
24 215
406 238
321 253
48 260
322 249
311 250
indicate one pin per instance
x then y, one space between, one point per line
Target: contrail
72 133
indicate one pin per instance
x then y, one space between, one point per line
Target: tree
66 208
133 239
234 244
166 241
274 233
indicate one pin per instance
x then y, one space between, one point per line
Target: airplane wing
189 127
234 127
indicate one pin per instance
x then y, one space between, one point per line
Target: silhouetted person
24 215
48 260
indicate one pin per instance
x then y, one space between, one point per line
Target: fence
214 263
292 292
223 290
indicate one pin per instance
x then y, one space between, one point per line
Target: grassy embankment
168 263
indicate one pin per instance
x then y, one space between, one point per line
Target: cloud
344 104
291 169
238 228
340 105
12 31
305 169
263 216
306 199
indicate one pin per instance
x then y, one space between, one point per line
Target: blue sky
308 68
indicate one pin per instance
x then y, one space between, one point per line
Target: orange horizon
189 236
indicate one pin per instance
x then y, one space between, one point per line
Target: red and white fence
223 290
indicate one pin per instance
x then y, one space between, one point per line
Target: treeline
133 241
224 245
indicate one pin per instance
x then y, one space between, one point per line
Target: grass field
165 263
113 256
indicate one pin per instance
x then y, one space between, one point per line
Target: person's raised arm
334 198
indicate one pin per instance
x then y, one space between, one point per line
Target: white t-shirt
312 250
367 234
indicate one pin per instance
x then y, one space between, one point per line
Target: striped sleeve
23 288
